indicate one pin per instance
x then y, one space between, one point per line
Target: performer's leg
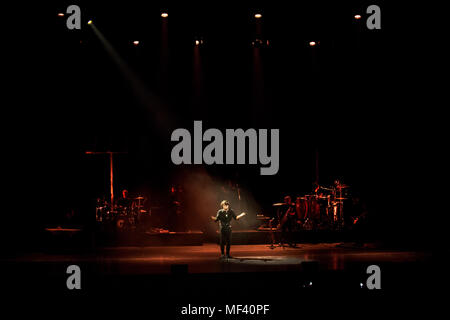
222 242
291 234
283 234
287 234
228 242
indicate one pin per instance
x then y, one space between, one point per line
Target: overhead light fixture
198 42
260 43
135 42
164 14
257 43
60 14
312 43
258 15
357 16
90 22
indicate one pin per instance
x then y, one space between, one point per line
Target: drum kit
121 216
323 209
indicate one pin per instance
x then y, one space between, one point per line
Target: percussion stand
341 210
272 244
272 239
111 171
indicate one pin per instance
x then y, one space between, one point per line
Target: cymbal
342 186
139 198
341 198
278 204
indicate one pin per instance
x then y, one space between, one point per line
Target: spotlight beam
146 98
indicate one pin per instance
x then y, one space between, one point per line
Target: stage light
90 22
164 14
198 42
312 43
257 43
60 14
357 16
258 15
260 43
136 42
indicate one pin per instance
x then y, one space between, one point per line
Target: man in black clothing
224 217
287 222
124 202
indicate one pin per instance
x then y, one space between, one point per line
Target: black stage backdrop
355 102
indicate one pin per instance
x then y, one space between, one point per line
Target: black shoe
229 257
222 256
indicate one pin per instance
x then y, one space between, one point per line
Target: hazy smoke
203 194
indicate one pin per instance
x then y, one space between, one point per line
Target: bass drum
313 212
301 208
122 222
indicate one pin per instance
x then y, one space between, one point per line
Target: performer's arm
241 215
216 217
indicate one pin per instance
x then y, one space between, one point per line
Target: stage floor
323 277
205 258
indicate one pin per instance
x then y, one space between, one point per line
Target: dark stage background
348 100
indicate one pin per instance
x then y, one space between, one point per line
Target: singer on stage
224 217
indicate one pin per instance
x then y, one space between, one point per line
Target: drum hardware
272 237
120 223
323 209
308 225
121 217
